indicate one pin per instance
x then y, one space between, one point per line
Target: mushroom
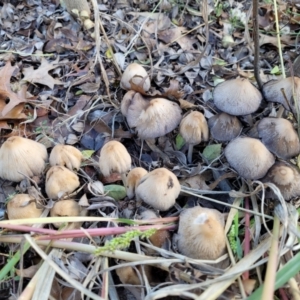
133 179
286 178
279 136
67 156
114 158
237 97
23 206
136 74
21 158
224 127
194 129
201 233
60 181
249 157
159 188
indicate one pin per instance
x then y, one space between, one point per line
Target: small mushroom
237 97
201 233
67 156
224 127
21 158
249 157
194 129
136 74
60 181
279 136
133 179
159 188
286 178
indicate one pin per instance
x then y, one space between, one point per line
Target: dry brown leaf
29 272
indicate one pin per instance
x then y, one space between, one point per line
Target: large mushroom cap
237 97
159 188
21 158
279 136
201 233
249 157
133 179
224 127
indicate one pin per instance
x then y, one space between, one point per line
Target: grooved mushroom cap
279 136
193 128
160 117
21 158
114 158
133 179
237 97
224 127
159 188
136 73
286 178
22 206
201 233
67 156
60 181
249 157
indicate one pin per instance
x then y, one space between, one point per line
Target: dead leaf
29 272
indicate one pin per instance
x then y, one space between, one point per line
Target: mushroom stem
124 180
280 112
154 148
190 153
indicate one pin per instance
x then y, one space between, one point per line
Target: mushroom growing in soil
279 136
249 157
194 129
133 179
201 233
159 189
21 158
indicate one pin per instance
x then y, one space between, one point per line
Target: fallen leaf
115 191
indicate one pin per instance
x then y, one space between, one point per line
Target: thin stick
190 153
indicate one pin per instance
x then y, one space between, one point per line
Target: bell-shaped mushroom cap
159 118
22 206
60 181
133 179
21 158
237 97
193 128
279 136
201 233
224 127
249 157
159 188
135 73
66 156
114 158
286 178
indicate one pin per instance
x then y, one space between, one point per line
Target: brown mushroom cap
237 97
286 178
201 233
67 156
60 181
279 136
21 158
249 157
224 127
133 179
114 158
159 188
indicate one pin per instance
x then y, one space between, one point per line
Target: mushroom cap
249 157
286 178
237 97
159 118
114 158
21 158
201 233
60 181
66 156
279 136
224 127
193 128
136 73
133 179
159 188
22 206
